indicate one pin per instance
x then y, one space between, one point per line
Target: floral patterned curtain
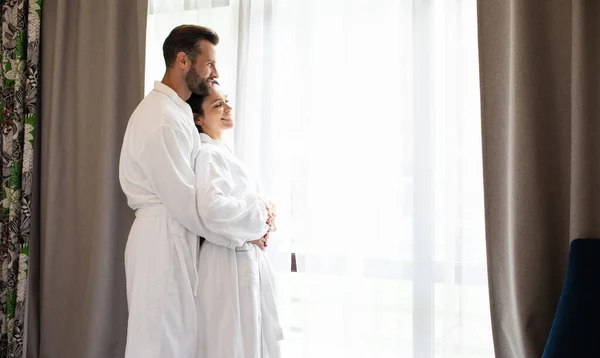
19 59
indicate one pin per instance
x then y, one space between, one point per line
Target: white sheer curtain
362 119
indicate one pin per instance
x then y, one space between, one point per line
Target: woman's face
217 113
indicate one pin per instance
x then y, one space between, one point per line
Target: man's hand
262 243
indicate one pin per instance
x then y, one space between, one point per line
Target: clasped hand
263 242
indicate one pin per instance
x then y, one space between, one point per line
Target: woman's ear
198 120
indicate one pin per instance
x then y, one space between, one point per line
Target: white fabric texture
237 312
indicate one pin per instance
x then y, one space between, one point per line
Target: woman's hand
271 216
263 242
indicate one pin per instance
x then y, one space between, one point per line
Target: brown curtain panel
92 79
540 99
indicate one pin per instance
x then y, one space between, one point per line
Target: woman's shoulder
211 152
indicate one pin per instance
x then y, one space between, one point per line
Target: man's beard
196 83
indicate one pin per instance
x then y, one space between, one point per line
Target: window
362 119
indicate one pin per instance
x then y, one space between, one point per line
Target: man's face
203 70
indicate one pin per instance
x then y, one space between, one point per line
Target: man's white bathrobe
237 315
156 173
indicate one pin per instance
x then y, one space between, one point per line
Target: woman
237 317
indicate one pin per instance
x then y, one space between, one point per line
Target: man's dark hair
186 38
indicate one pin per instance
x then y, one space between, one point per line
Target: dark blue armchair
576 328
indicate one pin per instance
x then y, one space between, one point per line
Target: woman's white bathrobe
237 316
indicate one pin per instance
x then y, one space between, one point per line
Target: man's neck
177 84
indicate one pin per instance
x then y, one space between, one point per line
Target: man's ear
182 61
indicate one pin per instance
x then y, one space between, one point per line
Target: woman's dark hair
195 101
186 38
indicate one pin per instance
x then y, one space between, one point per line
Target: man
160 144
